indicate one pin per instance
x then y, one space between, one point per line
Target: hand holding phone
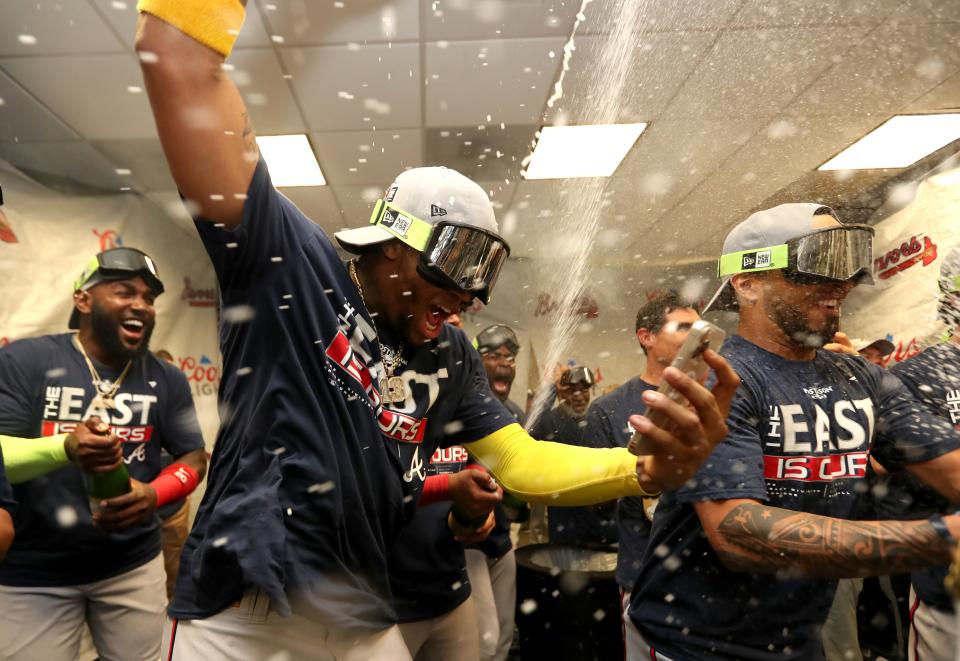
702 336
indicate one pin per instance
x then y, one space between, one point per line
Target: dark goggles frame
122 263
436 275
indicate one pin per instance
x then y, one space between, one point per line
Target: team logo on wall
202 374
108 239
198 298
909 253
6 231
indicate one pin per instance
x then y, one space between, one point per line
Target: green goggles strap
403 225
87 273
757 259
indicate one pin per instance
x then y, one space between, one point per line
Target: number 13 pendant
393 390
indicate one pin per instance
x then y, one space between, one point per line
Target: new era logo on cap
437 211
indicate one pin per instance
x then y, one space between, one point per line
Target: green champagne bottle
101 486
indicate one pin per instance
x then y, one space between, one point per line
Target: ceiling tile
49 27
897 63
491 153
492 19
122 16
311 23
489 82
265 91
945 96
23 119
144 159
357 87
98 106
318 204
654 68
367 157
356 203
755 73
72 161
785 13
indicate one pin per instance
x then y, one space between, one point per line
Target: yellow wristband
214 23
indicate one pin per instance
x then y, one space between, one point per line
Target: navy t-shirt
576 526
428 571
312 476
6 491
607 427
45 389
801 433
933 377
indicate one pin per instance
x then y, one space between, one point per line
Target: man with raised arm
742 561
340 381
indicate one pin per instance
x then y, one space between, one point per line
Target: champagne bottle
101 486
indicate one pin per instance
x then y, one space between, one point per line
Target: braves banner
46 239
908 249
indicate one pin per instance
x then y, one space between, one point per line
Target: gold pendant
396 390
103 402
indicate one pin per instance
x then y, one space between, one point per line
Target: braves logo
911 252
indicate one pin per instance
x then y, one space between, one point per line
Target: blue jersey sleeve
271 231
181 429
735 469
17 405
907 432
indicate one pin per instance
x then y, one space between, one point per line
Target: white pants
840 634
251 630
452 636
125 615
637 648
933 636
494 587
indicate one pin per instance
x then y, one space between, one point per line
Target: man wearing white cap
340 381
743 560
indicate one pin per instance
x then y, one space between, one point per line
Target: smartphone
703 335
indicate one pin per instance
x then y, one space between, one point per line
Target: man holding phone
743 560
661 328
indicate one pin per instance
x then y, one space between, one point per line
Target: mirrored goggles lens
840 253
121 261
465 257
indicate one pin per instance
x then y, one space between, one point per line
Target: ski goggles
578 378
119 264
451 255
494 337
835 253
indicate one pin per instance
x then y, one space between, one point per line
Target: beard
791 319
106 330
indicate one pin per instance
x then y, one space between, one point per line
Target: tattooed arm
202 121
750 536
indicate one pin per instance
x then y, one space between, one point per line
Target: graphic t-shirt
428 571
933 377
607 427
312 475
593 525
801 433
6 491
46 389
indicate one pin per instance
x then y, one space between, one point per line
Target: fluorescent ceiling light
900 141
290 160
593 150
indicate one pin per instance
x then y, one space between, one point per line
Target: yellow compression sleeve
27 458
214 23
554 473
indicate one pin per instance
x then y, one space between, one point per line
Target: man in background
662 324
877 352
566 423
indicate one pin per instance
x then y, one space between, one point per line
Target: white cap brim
354 240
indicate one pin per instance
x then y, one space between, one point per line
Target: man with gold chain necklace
342 380
74 562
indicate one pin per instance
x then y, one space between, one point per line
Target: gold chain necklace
393 390
106 391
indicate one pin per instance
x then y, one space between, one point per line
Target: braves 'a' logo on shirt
64 407
818 443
